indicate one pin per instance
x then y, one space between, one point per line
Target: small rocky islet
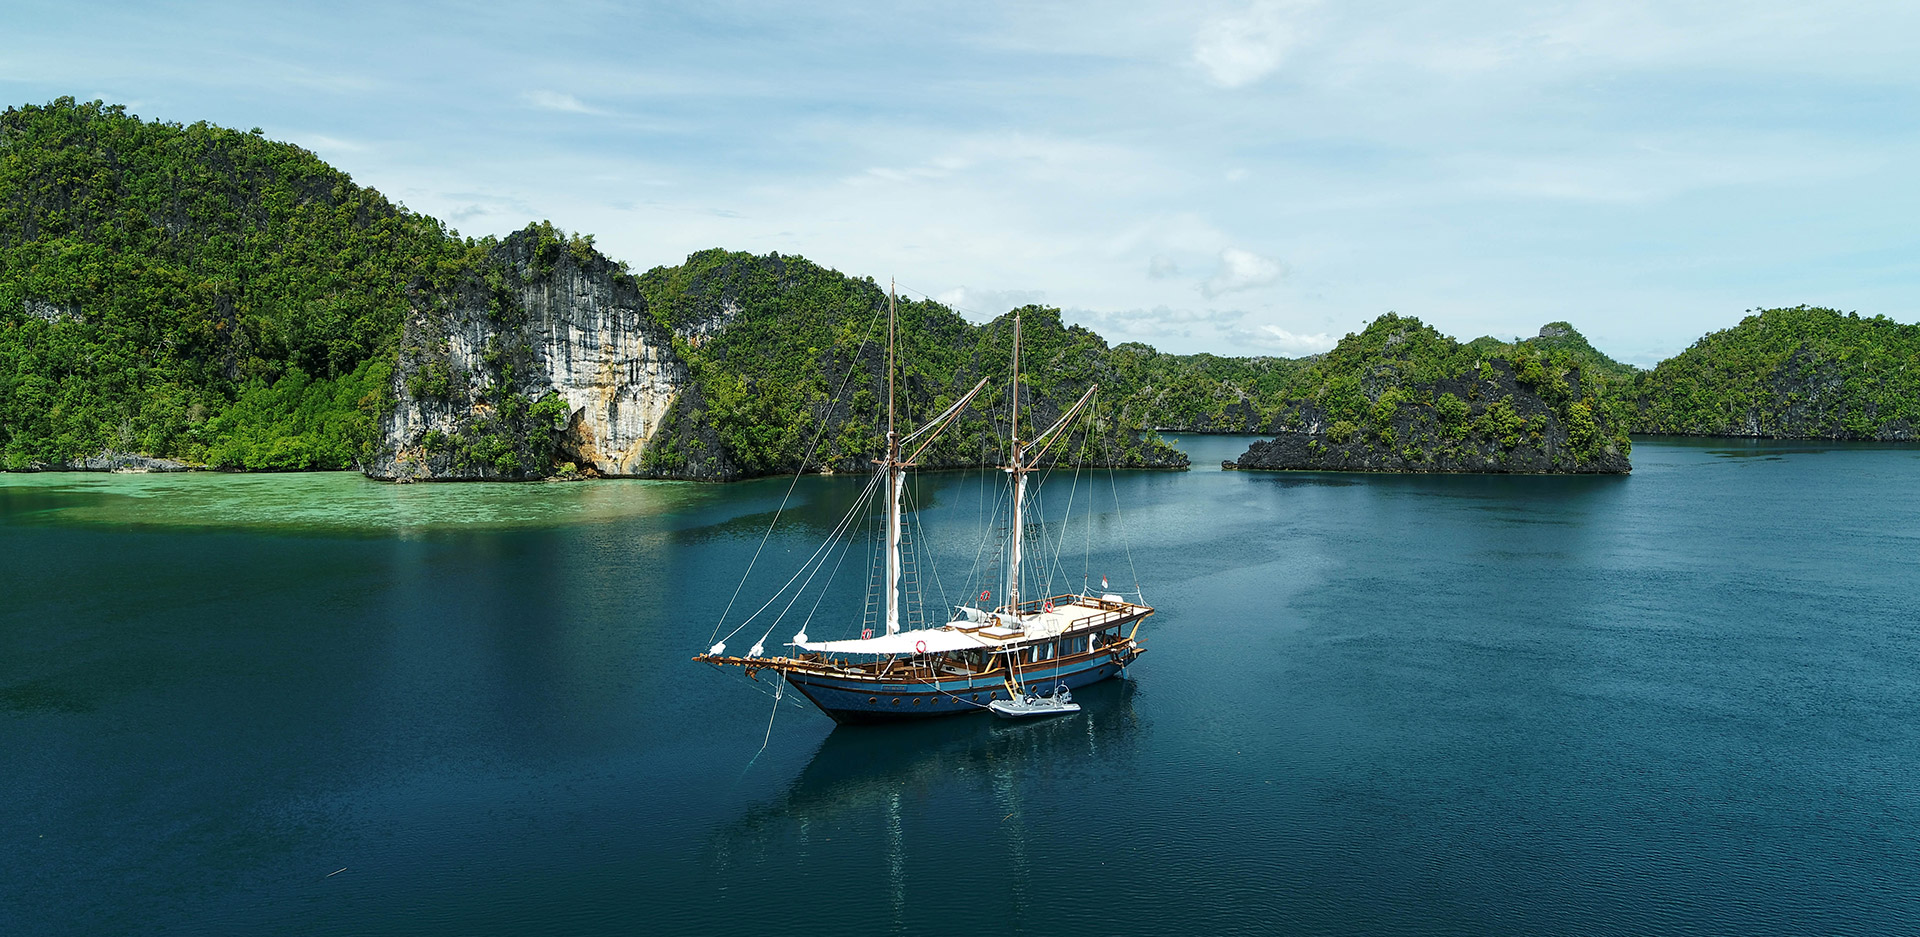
1400 397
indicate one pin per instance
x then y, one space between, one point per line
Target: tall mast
1019 471
896 478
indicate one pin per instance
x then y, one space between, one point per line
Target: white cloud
982 305
1242 270
1156 325
1162 267
1244 47
556 101
1221 331
1289 344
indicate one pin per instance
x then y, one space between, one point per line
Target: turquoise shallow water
1686 701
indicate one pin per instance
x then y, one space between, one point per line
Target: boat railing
1034 606
1110 611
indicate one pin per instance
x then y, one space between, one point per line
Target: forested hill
1803 372
206 295
195 292
1206 393
1401 397
780 348
1562 338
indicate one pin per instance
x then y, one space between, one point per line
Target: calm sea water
1682 702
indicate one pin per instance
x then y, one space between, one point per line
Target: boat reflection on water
942 794
857 763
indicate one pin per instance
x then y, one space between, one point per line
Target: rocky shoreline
124 463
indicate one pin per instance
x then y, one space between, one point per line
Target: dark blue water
1682 702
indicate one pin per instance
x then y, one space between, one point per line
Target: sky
1239 178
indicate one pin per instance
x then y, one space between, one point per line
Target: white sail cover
921 641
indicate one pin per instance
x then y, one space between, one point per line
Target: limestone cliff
546 354
543 356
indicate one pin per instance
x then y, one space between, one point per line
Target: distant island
1799 373
197 297
1401 397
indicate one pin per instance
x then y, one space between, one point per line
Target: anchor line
779 692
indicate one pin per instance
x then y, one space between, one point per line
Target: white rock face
532 328
611 362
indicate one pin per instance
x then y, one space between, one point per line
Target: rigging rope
1121 521
1066 517
797 472
844 550
923 544
845 525
803 567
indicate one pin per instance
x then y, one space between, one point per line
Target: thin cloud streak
556 101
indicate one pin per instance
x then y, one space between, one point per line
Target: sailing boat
983 654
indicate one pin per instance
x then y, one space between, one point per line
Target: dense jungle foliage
790 355
1799 372
195 292
1400 372
1563 337
1204 392
210 295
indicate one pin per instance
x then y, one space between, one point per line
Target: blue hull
866 701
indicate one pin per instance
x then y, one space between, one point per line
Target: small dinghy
1033 704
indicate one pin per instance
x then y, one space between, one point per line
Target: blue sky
1242 178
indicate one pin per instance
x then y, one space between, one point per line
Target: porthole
873 701
896 701
916 701
976 697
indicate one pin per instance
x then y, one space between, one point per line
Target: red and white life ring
919 647
985 594
1048 606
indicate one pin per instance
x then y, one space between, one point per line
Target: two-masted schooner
1027 646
